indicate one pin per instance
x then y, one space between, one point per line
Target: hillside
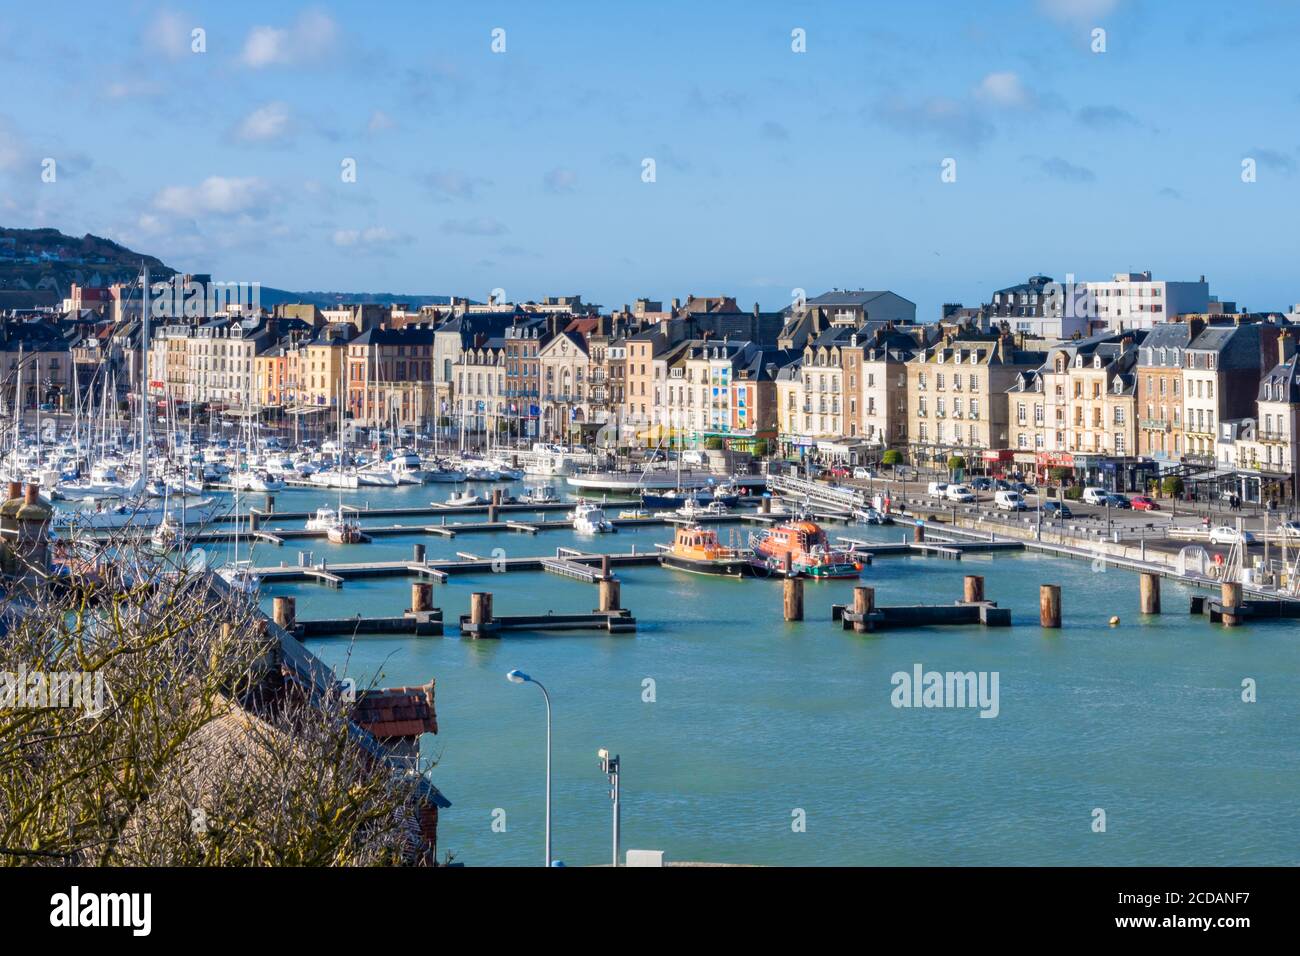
39 266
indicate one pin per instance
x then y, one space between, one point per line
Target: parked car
1024 488
1119 501
1289 528
861 472
960 493
1095 496
982 484
1226 535
1057 509
1003 485
937 489
839 471
1144 503
1009 501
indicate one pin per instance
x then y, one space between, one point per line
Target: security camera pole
609 765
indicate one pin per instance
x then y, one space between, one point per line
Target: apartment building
565 369
1160 388
523 341
1221 376
390 377
957 395
482 404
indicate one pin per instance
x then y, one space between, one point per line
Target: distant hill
39 266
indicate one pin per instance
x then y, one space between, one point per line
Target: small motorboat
345 530
541 495
590 519
167 535
465 498
325 519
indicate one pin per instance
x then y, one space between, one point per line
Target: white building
1133 300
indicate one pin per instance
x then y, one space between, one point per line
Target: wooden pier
337 573
865 616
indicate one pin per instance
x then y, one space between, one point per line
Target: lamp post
519 677
609 766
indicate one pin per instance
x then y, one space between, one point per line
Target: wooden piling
270 504
1049 605
793 604
918 533
604 567
1149 592
864 602
494 506
1230 600
765 505
480 607
609 593
973 588
421 597
284 612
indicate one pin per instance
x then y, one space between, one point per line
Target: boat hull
718 567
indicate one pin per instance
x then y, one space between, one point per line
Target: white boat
407 468
466 498
166 536
443 474
240 577
325 519
256 481
590 519
140 513
333 478
693 509
541 495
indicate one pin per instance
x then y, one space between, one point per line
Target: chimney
1285 352
32 494
1195 325
15 490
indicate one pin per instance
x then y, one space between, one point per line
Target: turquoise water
754 719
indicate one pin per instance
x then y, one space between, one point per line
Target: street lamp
609 766
519 677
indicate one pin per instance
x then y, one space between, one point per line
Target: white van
1095 496
960 493
937 489
1010 501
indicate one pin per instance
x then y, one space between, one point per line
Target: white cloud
1003 89
265 124
312 35
560 180
380 121
374 236
168 34
455 184
216 194
479 226
1077 10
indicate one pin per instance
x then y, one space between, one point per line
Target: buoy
1114 620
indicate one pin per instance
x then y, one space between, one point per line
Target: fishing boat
803 548
698 551
590 519
345 529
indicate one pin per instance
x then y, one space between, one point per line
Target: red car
1144 503
839 471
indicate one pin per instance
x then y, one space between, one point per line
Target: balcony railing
1154 424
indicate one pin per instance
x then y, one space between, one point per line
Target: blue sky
775 170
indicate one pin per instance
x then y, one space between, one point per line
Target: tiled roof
397 711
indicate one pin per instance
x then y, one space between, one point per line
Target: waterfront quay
734 717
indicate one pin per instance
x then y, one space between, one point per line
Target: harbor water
745 739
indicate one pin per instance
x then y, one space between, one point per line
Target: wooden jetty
336 573
481 622
865 616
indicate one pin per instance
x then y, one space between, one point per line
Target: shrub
1059 474
1171 487
893 458
956 462
1073 493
